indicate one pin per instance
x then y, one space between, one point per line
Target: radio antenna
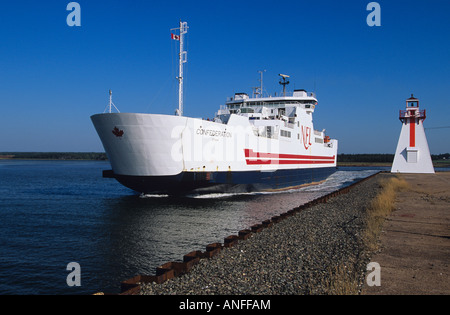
261 72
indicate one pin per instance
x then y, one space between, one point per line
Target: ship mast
111 104
182 60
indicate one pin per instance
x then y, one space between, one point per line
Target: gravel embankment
295 256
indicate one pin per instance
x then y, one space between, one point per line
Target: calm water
53 213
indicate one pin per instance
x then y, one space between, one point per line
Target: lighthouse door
411 155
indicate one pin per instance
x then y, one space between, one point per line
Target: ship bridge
275 117
283 107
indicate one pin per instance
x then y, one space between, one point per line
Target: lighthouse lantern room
412 154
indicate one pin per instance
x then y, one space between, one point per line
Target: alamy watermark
74 17
374 17
74 277
373 278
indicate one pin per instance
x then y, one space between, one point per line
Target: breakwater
291 253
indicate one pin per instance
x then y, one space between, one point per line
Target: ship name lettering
213 133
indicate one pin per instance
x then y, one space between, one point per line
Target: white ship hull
173 154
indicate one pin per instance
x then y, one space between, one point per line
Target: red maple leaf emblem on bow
117 132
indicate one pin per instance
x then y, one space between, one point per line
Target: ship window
285 133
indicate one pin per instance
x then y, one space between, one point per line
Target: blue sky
54 77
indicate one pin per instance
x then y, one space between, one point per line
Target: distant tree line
55 156
381 158
445 156
367 158
361 158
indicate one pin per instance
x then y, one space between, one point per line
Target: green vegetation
445 157
54 156
439 160
365 159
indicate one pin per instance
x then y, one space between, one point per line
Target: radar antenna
284 82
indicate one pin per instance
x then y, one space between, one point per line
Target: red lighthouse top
412 110
412 101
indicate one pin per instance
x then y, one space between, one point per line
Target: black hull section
221 182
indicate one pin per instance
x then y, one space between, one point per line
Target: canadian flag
175 37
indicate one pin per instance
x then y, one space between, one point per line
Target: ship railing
290 94
288 124
277 94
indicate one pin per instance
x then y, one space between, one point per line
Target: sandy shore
415 244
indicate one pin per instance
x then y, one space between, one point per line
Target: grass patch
343 281
345 278
380 208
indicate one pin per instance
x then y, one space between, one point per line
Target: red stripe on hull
256 155
285 162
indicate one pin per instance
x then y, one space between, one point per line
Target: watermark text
74 17
74 277
374 276
374 17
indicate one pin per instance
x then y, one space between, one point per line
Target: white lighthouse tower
413 154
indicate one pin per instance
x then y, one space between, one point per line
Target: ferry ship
258 143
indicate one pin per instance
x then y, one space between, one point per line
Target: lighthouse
412 154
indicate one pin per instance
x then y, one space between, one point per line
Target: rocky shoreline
298 255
